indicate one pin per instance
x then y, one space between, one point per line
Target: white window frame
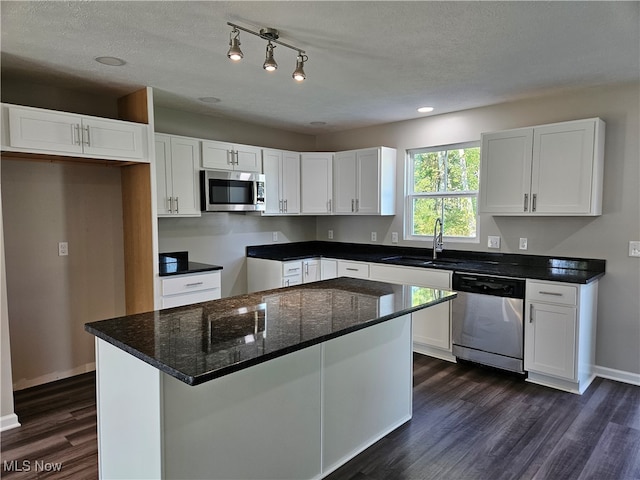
410 194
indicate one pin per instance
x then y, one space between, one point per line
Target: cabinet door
368 182
562 168
505 171
328 268
217 155
290 186
163 175
431 326
185 167
550 340
272 164
344 181
113 138
43 130
248 158
310 271
316 184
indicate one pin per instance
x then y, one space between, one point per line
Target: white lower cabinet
431 326
264 274
347 268
328 268
560 326
179 290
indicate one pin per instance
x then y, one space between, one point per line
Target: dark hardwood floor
468 423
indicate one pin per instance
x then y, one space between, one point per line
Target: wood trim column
137 215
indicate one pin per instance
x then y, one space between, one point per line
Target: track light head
298 74
270 64
234 52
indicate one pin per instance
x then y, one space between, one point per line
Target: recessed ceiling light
317 124
209 99
111 61
425 109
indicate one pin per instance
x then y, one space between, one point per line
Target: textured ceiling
369 62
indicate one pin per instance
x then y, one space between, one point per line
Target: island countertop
200 342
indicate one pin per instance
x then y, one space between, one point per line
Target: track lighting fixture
271 36
270 64
298 74
234 52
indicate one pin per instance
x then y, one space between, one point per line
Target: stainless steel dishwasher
487 320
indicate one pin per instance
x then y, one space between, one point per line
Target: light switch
634 249
63 249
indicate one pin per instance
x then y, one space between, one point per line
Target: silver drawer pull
555 294
194 284
293 269
353 269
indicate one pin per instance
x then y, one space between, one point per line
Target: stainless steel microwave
222 191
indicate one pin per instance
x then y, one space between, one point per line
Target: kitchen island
285 383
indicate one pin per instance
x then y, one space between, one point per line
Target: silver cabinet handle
526 202
280 209
75 133
237 161
534 199
286 209
357 205
293 269
170 202
306 268
352 205
88 142
177 205
352 269
195 284
329 204
555 294
230 157
531 313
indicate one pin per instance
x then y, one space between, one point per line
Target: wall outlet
275 236
330 234
523 244
394 237
63 249
493 241
374 236
634 249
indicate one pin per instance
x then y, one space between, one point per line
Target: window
443 182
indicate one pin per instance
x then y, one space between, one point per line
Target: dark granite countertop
557 269
177 263
197 343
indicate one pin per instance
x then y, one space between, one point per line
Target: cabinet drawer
353 269
190 283
292 272
189 298
552 293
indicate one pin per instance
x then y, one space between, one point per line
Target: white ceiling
369 62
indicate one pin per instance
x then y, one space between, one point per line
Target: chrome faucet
438 246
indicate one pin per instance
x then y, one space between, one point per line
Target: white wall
8 417
52 297
603 237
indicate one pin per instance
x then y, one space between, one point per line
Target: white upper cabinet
177 170
34 130
547 170
229 156
282 178
316 183
364 181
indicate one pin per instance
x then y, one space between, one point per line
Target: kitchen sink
421 261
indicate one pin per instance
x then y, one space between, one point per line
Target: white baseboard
618 375
7 422
52 377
